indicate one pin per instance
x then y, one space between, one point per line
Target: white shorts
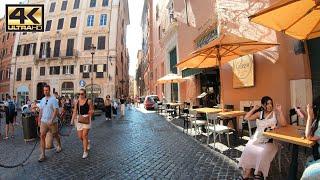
81 126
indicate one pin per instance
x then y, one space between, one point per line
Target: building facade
61 56
6 49
287 73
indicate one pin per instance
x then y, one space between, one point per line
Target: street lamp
92 51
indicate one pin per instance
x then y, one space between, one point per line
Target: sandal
259 177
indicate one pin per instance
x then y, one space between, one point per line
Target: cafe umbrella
222 50
297 18
170 78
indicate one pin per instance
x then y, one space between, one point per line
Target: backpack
11 108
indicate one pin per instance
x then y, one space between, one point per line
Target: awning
191 71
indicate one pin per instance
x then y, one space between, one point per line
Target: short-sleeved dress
260 151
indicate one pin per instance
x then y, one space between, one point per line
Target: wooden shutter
81 68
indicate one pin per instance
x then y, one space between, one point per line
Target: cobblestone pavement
138 146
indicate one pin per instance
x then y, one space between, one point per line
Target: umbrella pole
221 82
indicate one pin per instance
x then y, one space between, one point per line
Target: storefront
67 89
96 89
23 95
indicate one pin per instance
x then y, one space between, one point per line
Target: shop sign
243 72
96 89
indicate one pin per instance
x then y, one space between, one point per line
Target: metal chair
216 129
293 117
250 125
160 107
196 122
169 111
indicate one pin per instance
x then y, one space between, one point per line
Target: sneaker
106 119
88 147
42 158
5 138
85 155
59 149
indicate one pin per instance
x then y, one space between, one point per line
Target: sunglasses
46 101
81 94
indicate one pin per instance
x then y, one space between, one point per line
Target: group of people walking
82 113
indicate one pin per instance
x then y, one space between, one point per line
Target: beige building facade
61 56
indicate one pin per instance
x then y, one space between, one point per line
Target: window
60 24
68 69
105 2
64 5
54 70
28 73
33 49
26 50
73 22
56 52
70 44
18 50
101 42
90 20
76 4
52 6
93 3
87 43
157 12
19 73
8 73
99 74
44 50
103 19
42 71
1 74
48 25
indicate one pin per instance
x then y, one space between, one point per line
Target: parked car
150 102
99 103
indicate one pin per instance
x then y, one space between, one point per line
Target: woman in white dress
260 150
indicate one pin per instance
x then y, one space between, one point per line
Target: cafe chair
248 125
160 107
216 129
185 116
225 121
293 117
196 122
169 111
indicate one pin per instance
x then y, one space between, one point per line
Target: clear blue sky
134 36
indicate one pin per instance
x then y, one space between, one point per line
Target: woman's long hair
316 110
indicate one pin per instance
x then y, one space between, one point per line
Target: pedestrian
114 108
123 105
82 113
49 109
10 111
108 107
260 150
16 111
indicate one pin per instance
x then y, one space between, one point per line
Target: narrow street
138 146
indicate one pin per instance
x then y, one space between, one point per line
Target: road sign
82 83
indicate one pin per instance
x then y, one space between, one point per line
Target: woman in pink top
260 150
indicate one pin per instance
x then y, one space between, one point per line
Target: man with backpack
10 113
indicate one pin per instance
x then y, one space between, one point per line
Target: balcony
58 54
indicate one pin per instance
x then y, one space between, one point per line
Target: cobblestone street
138 146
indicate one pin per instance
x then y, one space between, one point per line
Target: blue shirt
47 106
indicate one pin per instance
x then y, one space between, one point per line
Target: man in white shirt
48 120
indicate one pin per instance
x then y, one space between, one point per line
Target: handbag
83 119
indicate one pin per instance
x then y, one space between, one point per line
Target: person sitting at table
260 150
313 133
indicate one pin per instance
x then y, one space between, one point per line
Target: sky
134 34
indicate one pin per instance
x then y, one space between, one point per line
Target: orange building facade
283 73
6 48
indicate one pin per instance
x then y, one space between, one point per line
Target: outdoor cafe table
175 105
208 110
294 135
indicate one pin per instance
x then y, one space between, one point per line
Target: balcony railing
48 54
